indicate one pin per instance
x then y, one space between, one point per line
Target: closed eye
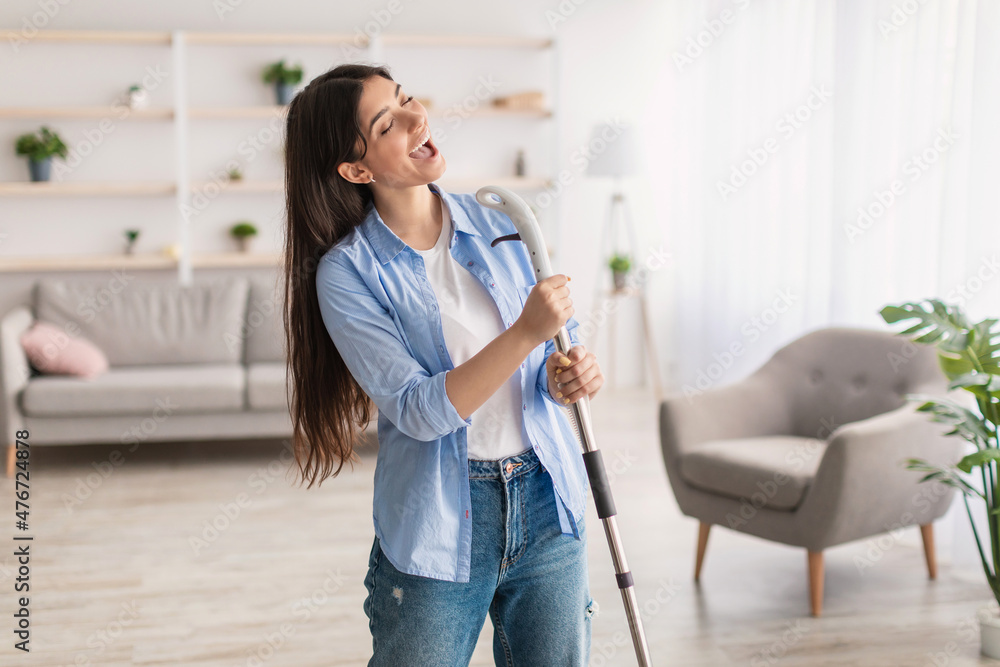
393 121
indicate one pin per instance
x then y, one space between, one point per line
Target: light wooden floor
116 578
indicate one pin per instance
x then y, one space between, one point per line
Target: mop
513 206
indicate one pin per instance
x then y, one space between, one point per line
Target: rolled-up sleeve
550 348
373 348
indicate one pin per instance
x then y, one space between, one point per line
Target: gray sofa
809 449
203 362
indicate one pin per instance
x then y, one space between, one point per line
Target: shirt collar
385 242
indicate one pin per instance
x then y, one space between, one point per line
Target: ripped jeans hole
398 594
592 609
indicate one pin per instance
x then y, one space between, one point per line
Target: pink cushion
52 350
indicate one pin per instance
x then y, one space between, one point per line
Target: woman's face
400 150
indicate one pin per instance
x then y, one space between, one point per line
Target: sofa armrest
862 485
14 370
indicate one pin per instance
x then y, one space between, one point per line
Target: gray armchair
808 450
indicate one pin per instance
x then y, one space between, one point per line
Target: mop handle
505 201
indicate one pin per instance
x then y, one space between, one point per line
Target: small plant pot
989 630
284 92
40 170
244 243
619 277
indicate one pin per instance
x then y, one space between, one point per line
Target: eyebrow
384 109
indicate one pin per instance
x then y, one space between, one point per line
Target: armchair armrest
862 486
752 407
14 369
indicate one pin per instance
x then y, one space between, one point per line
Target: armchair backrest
839 375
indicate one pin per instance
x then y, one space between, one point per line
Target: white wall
608 56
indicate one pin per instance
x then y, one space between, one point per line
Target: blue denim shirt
382 314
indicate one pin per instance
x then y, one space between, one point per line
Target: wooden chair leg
927 533
702 544
11 459
816 582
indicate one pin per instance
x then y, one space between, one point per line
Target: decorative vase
40 169
619 277
244 243
283 91
989 630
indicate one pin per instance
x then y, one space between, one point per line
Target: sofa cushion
267 386
150 322
152 391
52 350
265 331
772 471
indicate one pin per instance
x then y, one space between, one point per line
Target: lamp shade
613 150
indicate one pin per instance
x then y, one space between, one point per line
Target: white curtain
774 123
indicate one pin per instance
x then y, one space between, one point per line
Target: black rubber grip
624 579
599 484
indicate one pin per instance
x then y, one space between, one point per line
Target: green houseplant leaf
969 354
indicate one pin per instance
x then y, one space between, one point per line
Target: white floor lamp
616 154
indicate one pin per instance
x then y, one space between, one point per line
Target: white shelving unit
181 115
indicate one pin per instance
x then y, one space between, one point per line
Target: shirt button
522 365
492 285
510 466
524 407
470 263
509 324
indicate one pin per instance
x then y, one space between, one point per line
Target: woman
395 294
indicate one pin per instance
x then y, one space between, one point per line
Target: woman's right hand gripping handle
546 310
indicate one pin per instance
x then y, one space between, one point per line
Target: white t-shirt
470 320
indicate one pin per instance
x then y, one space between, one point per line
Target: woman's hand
568 382
546 310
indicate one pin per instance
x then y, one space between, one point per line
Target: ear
355 172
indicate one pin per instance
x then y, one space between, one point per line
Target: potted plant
137 96
969 355
131 236
243 231
40 148
620 265
234 173
283 78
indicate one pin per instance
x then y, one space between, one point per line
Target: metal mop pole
513 206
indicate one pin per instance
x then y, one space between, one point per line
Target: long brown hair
328 407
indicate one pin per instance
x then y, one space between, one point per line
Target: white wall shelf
182 114
88 189
137 261
165 113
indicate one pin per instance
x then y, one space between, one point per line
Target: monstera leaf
963 347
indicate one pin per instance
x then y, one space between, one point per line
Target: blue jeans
528 576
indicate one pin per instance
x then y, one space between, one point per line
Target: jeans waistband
506 468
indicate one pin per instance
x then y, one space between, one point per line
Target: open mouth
425 149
